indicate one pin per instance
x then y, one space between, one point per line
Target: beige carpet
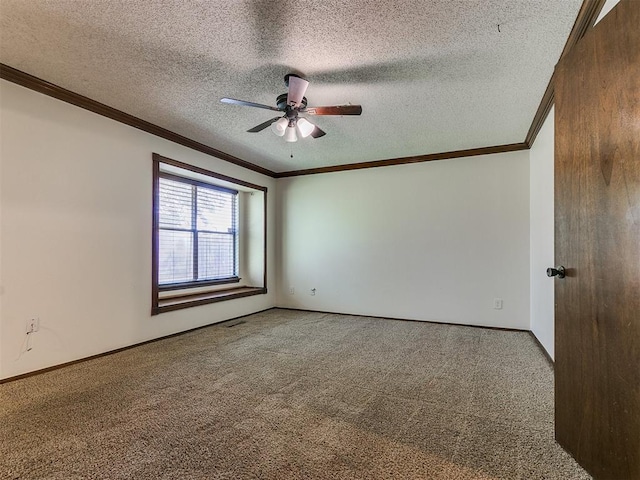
288 395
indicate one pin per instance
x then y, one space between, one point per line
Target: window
198 234
209 237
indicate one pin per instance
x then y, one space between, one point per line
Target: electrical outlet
292 291
33 325
312 292
497 303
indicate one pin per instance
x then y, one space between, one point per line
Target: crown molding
472 152
586 18
41 86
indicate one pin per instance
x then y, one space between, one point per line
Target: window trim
169 287
187 299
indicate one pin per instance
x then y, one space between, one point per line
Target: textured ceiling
431 76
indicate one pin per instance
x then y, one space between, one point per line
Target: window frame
192 295
194 230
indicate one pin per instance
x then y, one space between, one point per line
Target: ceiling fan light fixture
305 127
280 126
290 134
292 104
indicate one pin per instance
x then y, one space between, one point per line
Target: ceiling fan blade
263 125
335 110
297 88
233 101
317 133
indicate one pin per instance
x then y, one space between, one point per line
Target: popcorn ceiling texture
431 76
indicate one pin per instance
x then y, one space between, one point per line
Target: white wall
75 223
431 241
607 7
542 235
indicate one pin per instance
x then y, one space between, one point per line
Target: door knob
556 272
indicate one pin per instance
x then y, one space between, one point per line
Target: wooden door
597 228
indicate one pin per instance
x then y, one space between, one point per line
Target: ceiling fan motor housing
281 102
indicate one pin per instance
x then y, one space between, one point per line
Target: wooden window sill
177 302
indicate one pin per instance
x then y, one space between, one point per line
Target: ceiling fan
293 103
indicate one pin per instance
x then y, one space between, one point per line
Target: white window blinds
197 232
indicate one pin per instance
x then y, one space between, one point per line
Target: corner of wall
541 217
